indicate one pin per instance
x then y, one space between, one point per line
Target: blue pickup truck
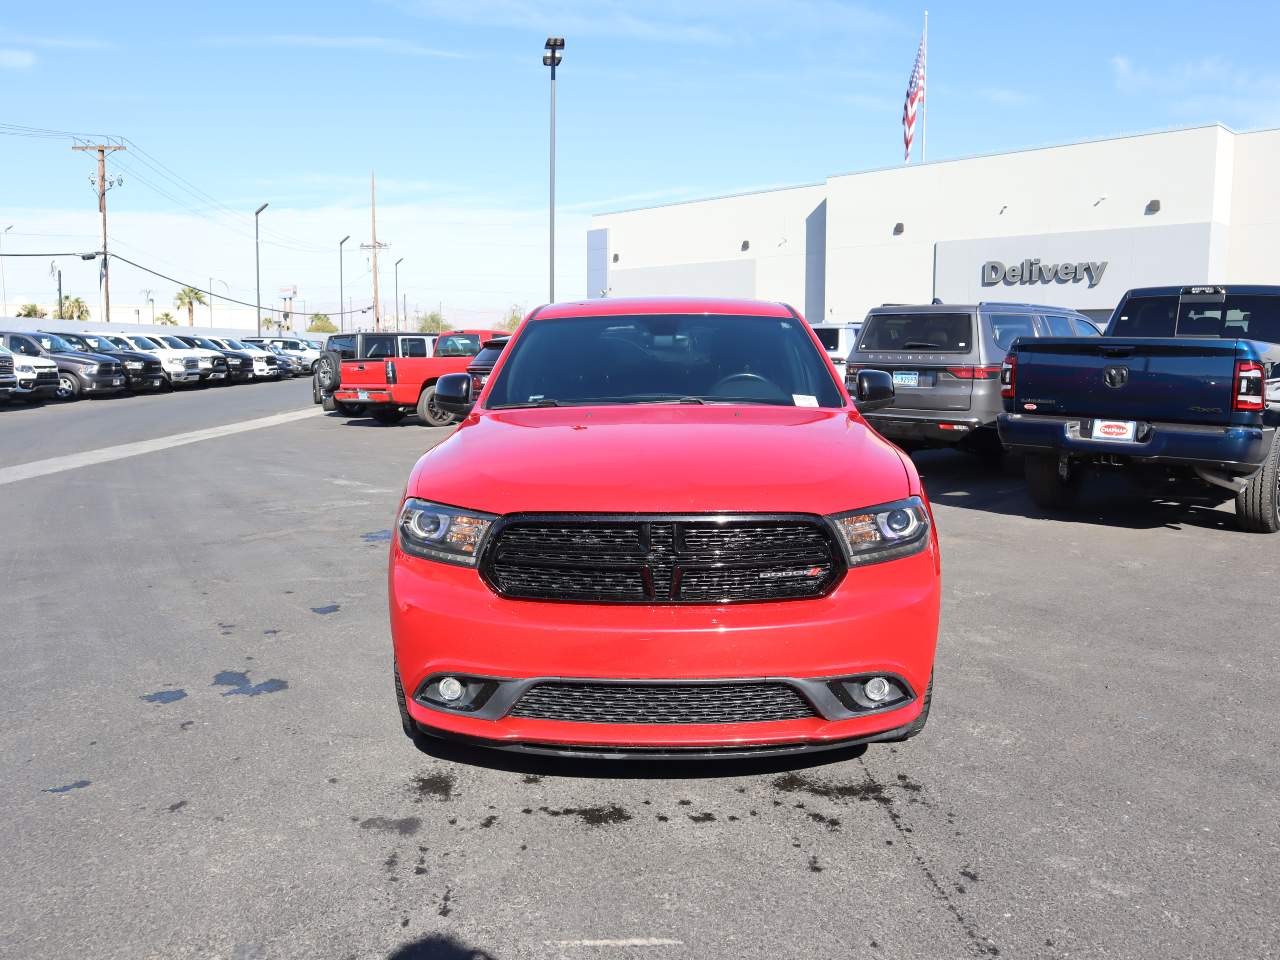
1183 391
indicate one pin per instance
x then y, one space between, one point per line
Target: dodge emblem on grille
786 574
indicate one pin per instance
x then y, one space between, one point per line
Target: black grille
6 364
110 369
46 376
662 560
152 366
662 702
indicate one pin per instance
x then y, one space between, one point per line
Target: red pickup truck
387 385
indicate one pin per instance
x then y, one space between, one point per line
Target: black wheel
430 412
68 386
329 371
327 402
387 415
348 409
1052 481
315 389
1258 504
406 722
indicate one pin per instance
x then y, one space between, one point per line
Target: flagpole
924 121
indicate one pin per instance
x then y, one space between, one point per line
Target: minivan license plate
906 378
1122 431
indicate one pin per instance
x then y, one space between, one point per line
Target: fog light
450 689
876 689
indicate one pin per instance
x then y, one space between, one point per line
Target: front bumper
881 619
104 384
141 382
1241 450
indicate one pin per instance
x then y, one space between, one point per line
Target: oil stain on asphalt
376 536
163 696
78 785
238 681
327 608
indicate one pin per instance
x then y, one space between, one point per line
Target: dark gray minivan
945 360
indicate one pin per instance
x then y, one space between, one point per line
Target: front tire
430 413
1258 504
1054 483
68 387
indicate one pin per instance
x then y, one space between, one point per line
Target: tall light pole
342 315
225 286
398 262
4 290
257 264
552 59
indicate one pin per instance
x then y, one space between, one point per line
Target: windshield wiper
916 344
544 402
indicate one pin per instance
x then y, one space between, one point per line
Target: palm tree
73 308
32 310
166 319
188 297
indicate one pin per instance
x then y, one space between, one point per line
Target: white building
1073 225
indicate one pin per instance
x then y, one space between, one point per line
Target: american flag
915 98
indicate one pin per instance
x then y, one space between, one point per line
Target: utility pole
375 246
342 301
103 185
397 302
257 263
54 268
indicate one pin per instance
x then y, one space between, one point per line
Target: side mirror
873 390
453 393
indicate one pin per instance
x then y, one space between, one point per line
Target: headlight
24 368
883 533
90 370
442 533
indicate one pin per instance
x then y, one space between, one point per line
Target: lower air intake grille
662 702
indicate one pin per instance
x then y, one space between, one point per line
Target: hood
43 362
81 356
659 459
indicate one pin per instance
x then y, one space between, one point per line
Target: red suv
664 528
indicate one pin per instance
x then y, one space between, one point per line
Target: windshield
98 343
700 358
458 345
206 343
235 345
1230 317
54 344
914 332
142 343
174 342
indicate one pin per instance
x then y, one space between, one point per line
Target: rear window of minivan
918 332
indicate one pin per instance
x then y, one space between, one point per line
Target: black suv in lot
142 371
79 373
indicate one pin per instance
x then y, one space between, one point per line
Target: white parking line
74 461
629 942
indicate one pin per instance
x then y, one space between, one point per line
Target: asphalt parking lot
202 756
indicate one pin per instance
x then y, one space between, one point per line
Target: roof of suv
954 307
627 306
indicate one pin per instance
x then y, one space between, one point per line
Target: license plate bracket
1114 431
906 378
362 394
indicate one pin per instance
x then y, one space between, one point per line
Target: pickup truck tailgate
1184 380
364 373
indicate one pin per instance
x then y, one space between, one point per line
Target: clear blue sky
295 102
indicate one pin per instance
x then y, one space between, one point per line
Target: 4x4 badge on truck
1116 376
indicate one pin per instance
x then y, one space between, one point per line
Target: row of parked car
42 365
